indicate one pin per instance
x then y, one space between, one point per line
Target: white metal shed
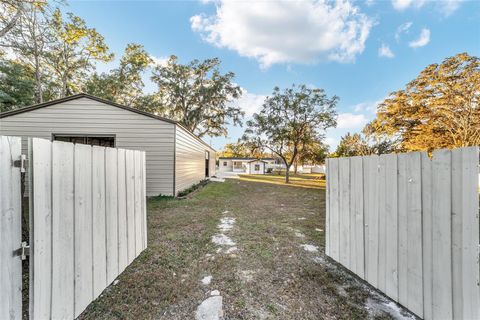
175 157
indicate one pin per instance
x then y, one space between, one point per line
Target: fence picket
414 234
327 207
42 236
122 212
441 235
111 213
370 176
98 218
402 229
356 207
334 210
138 203
62 230
391 226
382 224
10 229
130 196
83 228
344 210
427 234
470 234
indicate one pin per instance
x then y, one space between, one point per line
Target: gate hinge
24 251
22 163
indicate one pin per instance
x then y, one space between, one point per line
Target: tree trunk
295 167
287 174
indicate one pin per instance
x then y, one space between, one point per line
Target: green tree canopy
124 84
290 119
198 95
438 109
17 85
73 51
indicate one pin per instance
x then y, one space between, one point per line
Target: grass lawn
311 180
270 276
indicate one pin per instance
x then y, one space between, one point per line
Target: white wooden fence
10 230
409 226
88 222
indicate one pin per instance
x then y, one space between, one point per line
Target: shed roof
88 96
243 159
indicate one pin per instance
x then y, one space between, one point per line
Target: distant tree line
438 109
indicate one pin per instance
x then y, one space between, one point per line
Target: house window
103 141
257 167
224 163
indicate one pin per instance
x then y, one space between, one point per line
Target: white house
256 166
237 164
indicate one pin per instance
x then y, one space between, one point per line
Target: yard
269 263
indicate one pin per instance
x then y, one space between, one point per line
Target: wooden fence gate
10 229
409 226
87 223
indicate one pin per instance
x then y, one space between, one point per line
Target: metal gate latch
22 163
24 251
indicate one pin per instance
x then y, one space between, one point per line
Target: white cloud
159 61
351 121
423 39
403 28
369 3
370 106
405 4
331 142
287 31
448 7
384 51
249 102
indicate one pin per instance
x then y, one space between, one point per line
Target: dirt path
254 248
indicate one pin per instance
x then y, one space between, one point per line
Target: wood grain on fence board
427 234
10 229
382 225
98 216
414 234
457 248
356 204
144 202
138 203
370 175
327 207
42 240
83 228
334 212
344 210
122 212
111 213
470 233
402 229
441 235
62 230
130 196
391 226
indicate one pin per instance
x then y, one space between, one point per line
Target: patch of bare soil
277 271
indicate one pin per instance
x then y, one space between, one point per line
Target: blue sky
357 50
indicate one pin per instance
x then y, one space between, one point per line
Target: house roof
243 159
257 160
88 96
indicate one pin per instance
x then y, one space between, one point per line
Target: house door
207 164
